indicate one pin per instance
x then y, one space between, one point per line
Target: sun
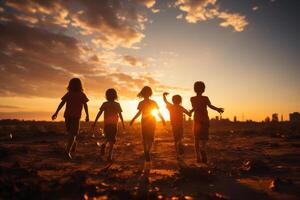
163 112
154 113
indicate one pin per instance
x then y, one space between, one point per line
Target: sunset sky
247 53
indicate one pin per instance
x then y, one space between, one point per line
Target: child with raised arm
112 111
148 122
201 120
176 117
74 99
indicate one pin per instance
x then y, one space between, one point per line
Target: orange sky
247 57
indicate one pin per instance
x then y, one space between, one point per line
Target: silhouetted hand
165 93
54 116
87 119
220 110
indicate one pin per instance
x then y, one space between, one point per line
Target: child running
146 108
176 118
201 120
112 111
75 99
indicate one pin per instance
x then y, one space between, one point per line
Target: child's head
146 92
199 87
176 99
111 94
75 85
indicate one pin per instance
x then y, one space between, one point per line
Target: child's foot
102 149
203 156
147 157
180 150
109 158
68 155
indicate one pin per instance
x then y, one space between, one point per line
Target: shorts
110 132
148 129
72 125
201 131
177 133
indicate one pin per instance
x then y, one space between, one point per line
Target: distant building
267 119
234 119
295 117
275 117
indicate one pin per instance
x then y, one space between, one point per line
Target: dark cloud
43 44
36 62
111 23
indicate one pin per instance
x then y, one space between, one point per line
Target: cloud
255 8
237 21
112 23
155 10
9 107
180 16
134 61
147 3
203 10
39 63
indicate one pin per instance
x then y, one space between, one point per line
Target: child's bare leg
197 149
150 145
102 147
180 147
176 147
110 150
71 141
74 147
203 151
147 147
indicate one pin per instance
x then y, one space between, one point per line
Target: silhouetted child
201 120
112 111
75 99
176 117
146 108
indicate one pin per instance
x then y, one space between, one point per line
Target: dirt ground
252 162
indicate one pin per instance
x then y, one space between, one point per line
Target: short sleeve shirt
111 111
176 114
74 103
199 104
146 107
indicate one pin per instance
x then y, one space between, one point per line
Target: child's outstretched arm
97 117
162 118
62 103
121 118
165 98
220 110
87 118
136 116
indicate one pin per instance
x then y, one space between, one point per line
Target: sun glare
154 112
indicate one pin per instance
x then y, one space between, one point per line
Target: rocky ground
252 162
